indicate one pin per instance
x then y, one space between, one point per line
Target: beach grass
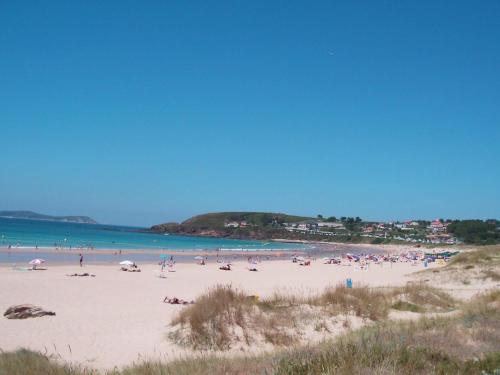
361 301
421 298
470 267
487 255
27 362
224 317
210 320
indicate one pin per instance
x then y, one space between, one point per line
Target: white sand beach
118 317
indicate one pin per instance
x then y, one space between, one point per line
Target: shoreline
186 252
52 255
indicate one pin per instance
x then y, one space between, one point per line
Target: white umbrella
198 258
126 263
37 261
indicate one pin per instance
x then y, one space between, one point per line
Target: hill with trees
30 215
255 225
476 232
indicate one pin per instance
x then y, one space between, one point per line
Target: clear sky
139 112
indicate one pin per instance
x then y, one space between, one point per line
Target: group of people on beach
170 263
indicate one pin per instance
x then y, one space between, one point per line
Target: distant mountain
35 216
256 225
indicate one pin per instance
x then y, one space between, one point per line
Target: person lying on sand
80 274
130 269
176 301
225 267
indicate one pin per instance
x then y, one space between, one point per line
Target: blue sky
144 112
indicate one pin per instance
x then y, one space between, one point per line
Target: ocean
21 233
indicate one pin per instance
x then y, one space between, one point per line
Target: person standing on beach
81 260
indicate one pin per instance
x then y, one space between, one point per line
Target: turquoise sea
21 233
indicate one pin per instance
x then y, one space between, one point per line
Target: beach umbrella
198 257
36 262
126 263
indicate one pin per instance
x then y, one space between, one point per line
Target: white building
325 224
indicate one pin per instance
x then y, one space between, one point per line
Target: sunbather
130 269
176 301
80 274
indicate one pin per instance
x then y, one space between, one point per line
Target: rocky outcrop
26 311
249 225
167 228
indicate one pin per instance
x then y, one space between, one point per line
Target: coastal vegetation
385 347
470 266
260 219
254 225
477 232
486 256
225 317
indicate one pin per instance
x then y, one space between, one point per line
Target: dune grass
491 274
362 301
471 266
25 362
224 317
422 298
487 255
210 320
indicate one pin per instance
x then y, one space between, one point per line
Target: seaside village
413 231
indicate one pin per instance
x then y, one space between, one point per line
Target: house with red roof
437 226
